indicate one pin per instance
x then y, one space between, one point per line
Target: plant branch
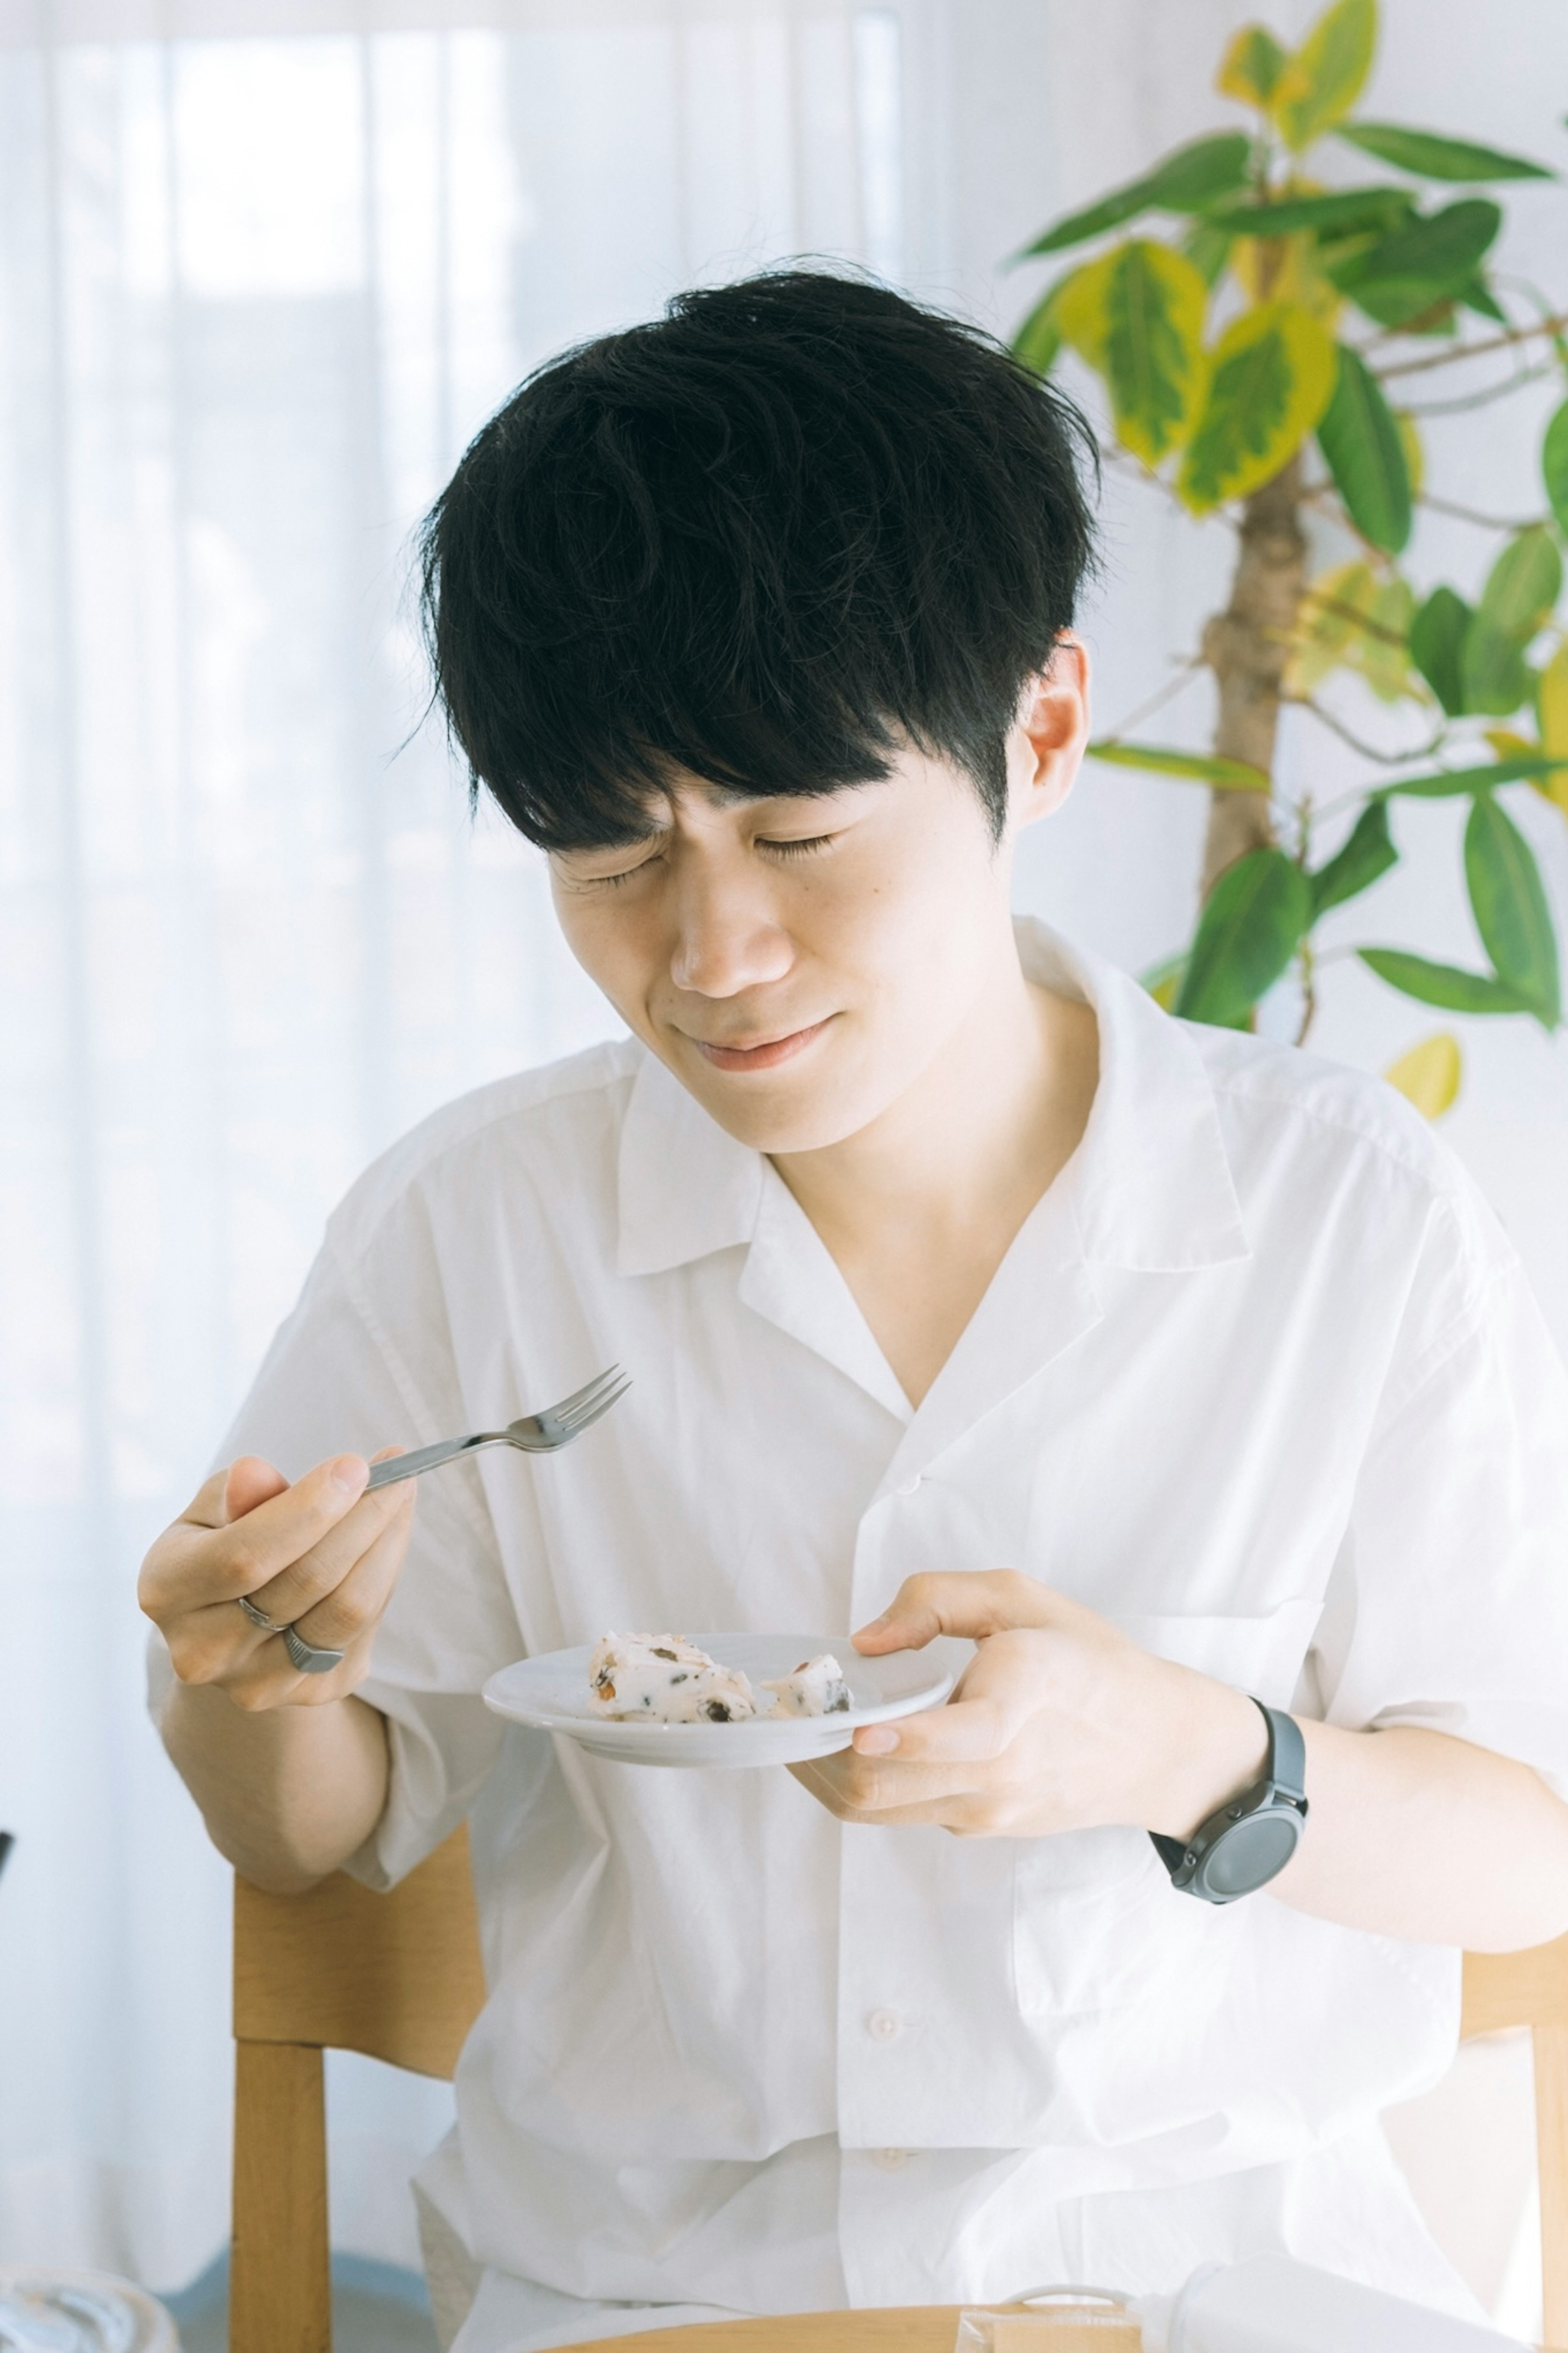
1469 514
1481 399
1186 670
1368 628
1367 751
1553 325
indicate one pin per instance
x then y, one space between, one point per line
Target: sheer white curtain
257 285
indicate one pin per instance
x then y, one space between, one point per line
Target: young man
963 1291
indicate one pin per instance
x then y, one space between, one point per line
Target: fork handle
427 1458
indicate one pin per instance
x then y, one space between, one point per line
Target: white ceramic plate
552 1694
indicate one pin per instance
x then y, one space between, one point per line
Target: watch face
1249 1853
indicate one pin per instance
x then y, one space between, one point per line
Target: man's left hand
1059 1723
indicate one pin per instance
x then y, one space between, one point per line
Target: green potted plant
1265 344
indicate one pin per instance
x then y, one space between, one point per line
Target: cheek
609 941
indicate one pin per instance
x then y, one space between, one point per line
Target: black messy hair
769 539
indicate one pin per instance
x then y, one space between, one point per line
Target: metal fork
536 1433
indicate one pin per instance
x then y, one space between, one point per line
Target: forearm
1418 1834
287 1794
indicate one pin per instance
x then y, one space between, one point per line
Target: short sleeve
366 1361
1447 1606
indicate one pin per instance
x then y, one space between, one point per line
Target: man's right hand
320 1555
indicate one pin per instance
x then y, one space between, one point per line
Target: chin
808 1123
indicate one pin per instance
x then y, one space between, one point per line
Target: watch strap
1283 1784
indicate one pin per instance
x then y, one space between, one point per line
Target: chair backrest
1530 1988
398 1976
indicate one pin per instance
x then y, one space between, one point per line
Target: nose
727 938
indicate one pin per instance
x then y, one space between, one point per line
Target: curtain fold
262 273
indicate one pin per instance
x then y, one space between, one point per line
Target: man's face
799 964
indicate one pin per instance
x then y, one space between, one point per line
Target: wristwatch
1249 1842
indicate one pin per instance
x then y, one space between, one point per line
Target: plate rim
630 1728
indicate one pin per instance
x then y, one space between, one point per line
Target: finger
879 1787
250 1482
973 1730
964 1811
303 1583
202 1561
354 1607
971 1602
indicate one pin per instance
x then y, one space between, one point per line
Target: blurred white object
80 2312
1274 2304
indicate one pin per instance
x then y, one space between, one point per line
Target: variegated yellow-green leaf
1252 65
1552 697
1429 1074
1138 317
1323 80
1409 434
1270 378
1350 619
1335 605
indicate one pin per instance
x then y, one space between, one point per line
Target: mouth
766 1054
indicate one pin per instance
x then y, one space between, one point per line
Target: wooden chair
399 1978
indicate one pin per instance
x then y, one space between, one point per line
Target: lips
766 1055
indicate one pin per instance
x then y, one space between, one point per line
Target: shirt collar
1149 1185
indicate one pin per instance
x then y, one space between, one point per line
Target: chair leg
279 2287
1551 2140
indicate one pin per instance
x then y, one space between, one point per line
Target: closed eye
798 849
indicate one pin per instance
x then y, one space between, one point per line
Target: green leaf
1477 296
1510 910
1339 212
1323 80
1453 784
1401 275
1207 247
1138 316
1524 585
1200 767
1443 983
1252 922
1249 930
1368 853
1521 588
1429 157
1554 465
1252 65
1039 339
1437 647
1187 181
1361 443
1271 377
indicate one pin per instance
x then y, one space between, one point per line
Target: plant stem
1553 326
1246 646
1308 990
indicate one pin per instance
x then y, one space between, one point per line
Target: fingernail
875 1624
877 1740
350 1473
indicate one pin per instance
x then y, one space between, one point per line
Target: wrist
1214 1745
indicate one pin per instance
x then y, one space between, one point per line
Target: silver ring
306 1659
259 1617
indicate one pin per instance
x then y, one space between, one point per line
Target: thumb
250 1482
971 1602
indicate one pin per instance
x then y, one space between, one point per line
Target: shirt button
890 2161
885 2025
908 1486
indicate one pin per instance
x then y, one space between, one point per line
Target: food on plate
817 1687
665 1679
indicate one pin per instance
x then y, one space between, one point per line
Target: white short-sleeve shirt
1260 1379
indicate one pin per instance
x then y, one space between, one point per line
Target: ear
1045 741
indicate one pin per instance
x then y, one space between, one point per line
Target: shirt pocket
1262 1655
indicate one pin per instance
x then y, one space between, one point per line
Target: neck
920 1208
